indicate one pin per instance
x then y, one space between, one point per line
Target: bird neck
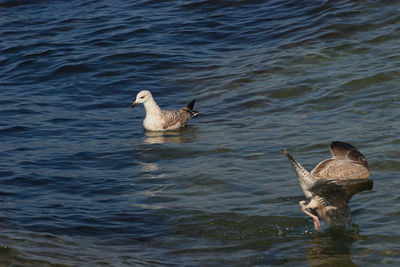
151 107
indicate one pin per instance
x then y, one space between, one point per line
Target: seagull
162 120
331 184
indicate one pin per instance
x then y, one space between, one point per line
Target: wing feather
175 118
341 150
339 191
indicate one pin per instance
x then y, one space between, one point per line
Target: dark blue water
82 184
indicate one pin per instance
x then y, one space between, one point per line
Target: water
82 184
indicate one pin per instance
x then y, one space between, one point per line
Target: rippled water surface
82 184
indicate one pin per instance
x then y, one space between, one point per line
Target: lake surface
82 184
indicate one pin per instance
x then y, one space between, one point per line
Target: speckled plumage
331 184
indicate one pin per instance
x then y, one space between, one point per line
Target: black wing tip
370 185
342 145
190 105
346 150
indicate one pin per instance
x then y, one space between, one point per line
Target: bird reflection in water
149 167
184 135
332 249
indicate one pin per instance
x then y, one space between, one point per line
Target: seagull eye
141 97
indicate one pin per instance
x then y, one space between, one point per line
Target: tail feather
305 178
189 107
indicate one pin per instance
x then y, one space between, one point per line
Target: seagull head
142 97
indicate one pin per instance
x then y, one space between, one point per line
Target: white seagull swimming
162 120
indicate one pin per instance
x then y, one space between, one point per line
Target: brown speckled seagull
162 120
331 184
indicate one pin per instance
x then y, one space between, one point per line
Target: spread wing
341 150
346 162
339 191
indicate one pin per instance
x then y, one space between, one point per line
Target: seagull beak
134 104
